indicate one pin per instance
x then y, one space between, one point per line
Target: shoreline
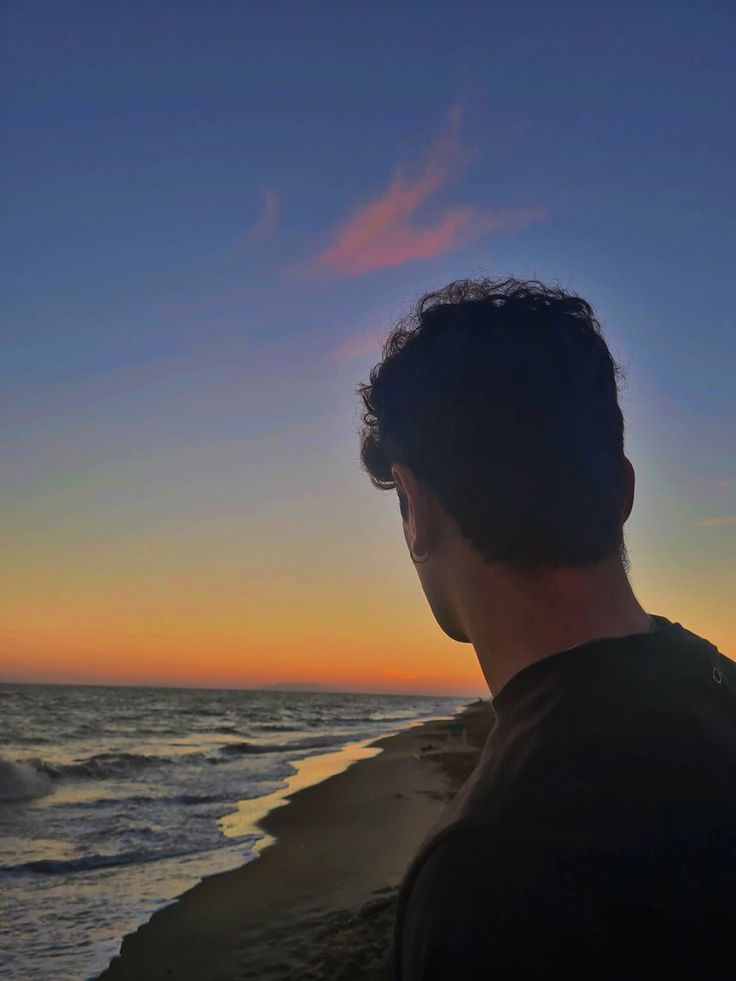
252 814
328 866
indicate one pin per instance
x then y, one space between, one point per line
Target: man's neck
513 622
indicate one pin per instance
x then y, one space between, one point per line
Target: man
596 837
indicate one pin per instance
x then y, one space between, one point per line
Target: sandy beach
318 902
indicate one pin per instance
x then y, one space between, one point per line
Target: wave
311 742
374 717
136 800
34 777
21 781
275 727
22 739
101 766
245 749
190 799
91 862
327 721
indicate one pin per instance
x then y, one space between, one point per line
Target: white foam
19 781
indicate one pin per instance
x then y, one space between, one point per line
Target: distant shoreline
287 687
328 870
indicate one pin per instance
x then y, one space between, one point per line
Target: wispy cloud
357 346
726 519
269 217
380 233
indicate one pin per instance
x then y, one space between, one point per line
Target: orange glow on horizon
399 654
304 578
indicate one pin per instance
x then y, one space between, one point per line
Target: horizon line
285 687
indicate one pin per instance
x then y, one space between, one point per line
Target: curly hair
502 396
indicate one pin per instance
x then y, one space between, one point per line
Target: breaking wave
102 766
21 781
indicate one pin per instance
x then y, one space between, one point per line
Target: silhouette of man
596 837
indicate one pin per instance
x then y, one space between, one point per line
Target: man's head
494 413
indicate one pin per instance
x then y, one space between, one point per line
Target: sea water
112 800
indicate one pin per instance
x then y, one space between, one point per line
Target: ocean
115 800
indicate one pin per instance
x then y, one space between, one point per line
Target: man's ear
403 504
398 477
418 516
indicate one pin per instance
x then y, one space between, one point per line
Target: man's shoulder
473 858
439 900
496 897
469 862
479 895
444 857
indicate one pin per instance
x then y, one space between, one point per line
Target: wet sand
319 900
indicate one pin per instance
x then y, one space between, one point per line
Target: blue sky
214 210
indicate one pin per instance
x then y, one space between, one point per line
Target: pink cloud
380 233
726 519
356 346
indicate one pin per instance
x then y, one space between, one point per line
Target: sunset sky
214 212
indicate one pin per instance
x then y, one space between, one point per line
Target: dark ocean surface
114 800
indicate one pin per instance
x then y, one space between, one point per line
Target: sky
215 213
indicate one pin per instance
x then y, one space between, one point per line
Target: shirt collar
533 675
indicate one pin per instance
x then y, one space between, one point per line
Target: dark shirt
596 837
